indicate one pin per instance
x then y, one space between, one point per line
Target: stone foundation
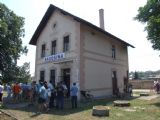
100 111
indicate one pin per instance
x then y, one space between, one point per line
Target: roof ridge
49 12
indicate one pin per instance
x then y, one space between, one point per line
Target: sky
119 21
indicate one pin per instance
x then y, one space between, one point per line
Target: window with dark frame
52 76
42 75
53 48
66 43
43 50
113 52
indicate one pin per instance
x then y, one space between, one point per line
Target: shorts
41 100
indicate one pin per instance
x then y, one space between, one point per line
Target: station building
71 49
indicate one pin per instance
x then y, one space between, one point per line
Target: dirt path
149 97
5 116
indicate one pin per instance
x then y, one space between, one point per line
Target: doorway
114 82
52 77
66 79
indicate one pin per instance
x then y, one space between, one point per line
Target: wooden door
114 82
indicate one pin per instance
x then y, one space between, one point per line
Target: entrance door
52 76
114 82
66 79
125 80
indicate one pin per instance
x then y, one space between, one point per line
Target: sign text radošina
55 57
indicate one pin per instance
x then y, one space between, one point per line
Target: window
42 74
53 48
52 76
66 43
43 50
54 26
113 52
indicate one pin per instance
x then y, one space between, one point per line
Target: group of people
53 96
44 93
21 91
157 86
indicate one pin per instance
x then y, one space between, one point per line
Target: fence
142 84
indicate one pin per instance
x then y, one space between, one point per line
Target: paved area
150 97
141 90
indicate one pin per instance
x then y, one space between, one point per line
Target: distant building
155 77
71 49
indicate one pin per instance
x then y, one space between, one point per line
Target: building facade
71 49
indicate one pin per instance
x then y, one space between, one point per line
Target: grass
139 110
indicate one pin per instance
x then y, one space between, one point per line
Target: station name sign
55 57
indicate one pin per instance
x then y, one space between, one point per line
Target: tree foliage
11 33
150 14
136 75
23 73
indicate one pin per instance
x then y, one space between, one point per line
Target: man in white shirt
51 94
9 91
74 92
1 91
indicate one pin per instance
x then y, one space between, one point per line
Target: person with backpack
59 96
42 100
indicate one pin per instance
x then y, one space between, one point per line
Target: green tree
141 74
23 73
11 33
150 14
136 75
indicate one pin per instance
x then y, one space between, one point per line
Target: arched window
43 49
53 48
42 75
66 43
113 51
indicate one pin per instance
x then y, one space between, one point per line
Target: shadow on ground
67 107
156 102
